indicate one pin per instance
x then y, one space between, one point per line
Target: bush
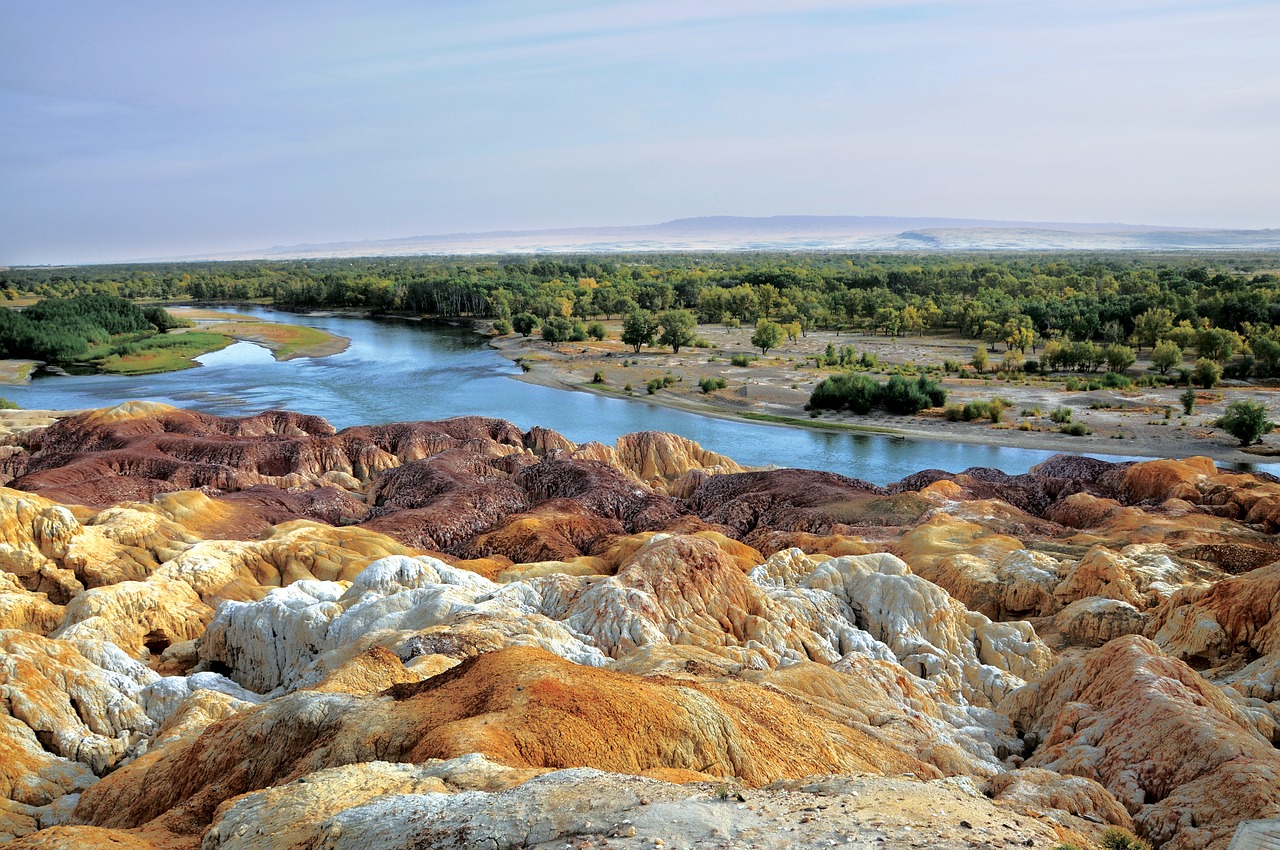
853 392
1031 367
954 412
557 329
1076 429
710 385
1115 380
5 404
743 360
1061 415
1114 838
597 378
596 331
1188 399
1207 373
900 395
501 327
1246 421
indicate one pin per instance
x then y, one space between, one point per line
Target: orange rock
1170 746
521 707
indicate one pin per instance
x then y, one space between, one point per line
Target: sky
132 130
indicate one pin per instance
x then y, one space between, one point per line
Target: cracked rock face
262 632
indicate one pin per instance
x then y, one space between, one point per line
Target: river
397 371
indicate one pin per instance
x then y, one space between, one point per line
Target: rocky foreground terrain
260 633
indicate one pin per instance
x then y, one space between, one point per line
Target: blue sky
137 129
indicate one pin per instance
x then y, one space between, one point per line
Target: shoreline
546 369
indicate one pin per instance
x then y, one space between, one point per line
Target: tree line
1019 300
63 330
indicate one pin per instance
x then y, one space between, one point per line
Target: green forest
1226 308
82 327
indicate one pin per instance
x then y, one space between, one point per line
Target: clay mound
660 459
1171 747
1239 616
556 530
519 706
783 499
599 489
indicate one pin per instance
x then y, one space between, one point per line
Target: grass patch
162 353
285 341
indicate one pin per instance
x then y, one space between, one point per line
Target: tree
1188 399
1246 421
793 331
767 335
912 321
1120 357
677 329
1207 373
557 329
525 323
980 359
1166 355
1151 326
639 328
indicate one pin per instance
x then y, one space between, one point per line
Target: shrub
954 412
597 378
1188 399
1207 373
1076 429
654 385
557 329
1115 380
501 327
1114 838
854 392
743 360
1246 421
710 385
596 331
5 404
1031 367
902 397
627 388
1061 415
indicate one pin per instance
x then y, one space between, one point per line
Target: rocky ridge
262 632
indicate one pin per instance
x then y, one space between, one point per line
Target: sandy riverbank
1131 423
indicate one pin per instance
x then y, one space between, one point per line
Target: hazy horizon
144 129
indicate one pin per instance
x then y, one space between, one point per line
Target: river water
397 371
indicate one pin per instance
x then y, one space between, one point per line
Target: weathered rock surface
1171 747
262 632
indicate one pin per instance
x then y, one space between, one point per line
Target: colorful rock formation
262 632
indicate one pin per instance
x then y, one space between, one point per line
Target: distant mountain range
796 233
